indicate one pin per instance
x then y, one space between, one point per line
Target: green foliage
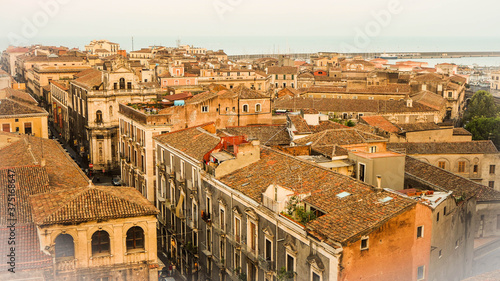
484 128
304 216
241 276
350 123
482 104
292 205
283 275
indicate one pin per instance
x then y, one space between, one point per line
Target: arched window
110 110
100 242
245 108
135 238
98 116
65 246
258 107
122 83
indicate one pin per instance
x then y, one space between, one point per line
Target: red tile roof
467 147
91 203
194 141
442 179
346 218
62 170
380 122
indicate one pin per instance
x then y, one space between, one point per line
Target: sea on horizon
245 45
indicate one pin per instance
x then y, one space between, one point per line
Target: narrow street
98 178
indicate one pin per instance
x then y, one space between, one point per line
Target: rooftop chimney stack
379 183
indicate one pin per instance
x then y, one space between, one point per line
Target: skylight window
386 199
343 194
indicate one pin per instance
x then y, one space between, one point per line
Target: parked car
117 181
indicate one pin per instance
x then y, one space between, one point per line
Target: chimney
409 103
379 183
42 162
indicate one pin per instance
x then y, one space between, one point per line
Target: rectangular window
268 250
237 229
290 263
316 277
420 231
461 167
442 164
183 170
476 169
492 169
420 272
6 128
491 184
364 243
27 128
222 219
253 236
237 260
209 240
444 211
362 168
437 217
373 149
204 108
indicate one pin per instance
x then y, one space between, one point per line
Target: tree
484 128
482 104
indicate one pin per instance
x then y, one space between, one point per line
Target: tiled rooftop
62 170
467 147
91 203
447 181
194 141
266 134
345 219
381 123
349 105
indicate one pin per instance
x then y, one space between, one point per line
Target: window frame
423 272
99 243
134 239
421 230
367 246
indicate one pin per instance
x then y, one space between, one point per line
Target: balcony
206 251
219 229
234 240
65 264
220 262
250 253
266 264
205 216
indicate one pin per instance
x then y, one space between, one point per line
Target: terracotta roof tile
266 134
428 174
349 105
61 169
282 70
461 132
10 107
92 203
345 219
467 147
380 122
194 141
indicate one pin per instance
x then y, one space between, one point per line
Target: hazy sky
286 18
